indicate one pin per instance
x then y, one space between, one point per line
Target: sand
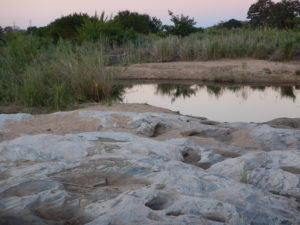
237 70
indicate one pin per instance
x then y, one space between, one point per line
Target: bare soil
71 123
237 70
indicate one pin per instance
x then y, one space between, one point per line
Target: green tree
281 15
156 25
66 27
183 25
259 13
96 28
140 23
285 13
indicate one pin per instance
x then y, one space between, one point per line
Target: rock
288 123
147 129
249 174
276 171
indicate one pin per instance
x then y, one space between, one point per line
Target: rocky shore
137 164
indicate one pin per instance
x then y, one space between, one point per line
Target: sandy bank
238 70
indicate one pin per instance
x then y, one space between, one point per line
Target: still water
221 103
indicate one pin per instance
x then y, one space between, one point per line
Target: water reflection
176 90
183 90
287 92
220 102
116 94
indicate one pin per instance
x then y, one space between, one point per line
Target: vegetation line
77 57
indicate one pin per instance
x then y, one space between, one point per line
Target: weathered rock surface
151 168
290 123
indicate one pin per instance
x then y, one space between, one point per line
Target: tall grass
56 76
216 44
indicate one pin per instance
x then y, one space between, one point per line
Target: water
221 103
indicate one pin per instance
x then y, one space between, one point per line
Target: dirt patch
238 70
50 124
4 176
64 213
100 184
64 123
94 179
126 107
242 138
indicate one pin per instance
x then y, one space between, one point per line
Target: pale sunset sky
23 13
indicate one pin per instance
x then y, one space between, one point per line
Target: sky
24 13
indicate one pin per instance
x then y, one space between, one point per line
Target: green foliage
259 13
97 29
140 23
20 51
183 25
66 27
55 77
282 15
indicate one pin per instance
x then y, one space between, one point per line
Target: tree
285 13
66 27
281 15
99 27
183 25
230 24
259 13
156 25
140 23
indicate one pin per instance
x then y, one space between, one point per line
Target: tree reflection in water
176 90
186 91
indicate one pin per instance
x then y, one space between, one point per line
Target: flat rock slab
139 167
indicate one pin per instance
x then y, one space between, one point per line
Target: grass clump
244 177
166 49
57 76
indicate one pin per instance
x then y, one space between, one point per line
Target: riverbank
134 163
232 70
